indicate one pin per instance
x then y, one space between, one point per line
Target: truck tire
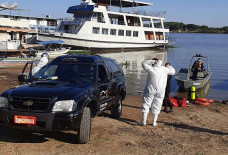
116 109
85 127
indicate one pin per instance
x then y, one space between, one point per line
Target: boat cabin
116 23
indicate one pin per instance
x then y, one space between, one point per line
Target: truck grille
29 104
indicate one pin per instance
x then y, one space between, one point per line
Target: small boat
184 77
53 48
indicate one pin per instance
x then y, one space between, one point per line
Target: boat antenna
110 4
120 5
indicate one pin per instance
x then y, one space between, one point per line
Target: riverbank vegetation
192 28
79 52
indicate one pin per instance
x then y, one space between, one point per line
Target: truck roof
80 58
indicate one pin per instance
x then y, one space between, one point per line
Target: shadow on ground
194 128
25 136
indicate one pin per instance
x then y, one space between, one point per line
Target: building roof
5 29
123 3
30 17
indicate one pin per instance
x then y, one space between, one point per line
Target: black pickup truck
64 95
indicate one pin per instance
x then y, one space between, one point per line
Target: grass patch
171 46
79 52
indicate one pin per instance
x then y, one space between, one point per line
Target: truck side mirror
23 78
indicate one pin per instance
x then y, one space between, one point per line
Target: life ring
205 103
210 101
204 99
201 99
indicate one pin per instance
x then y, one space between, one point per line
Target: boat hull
53 53
102 44
187 84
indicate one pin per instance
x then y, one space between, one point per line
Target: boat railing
160 14
133 24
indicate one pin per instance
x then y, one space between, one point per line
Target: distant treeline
181 27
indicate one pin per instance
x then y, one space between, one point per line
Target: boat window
96 30
99 17
128 33
133 21
135 33
159 35
146 22
13 35
113 32
51 23
121 33
104 31
157 23
149 35
82 16
116 19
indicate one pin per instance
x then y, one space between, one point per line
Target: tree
192 27
225 28
175 26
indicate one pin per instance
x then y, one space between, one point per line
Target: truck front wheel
116 109
85 127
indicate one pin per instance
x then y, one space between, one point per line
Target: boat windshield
83 73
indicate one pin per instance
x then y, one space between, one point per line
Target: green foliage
181 27
225 29
79 52
192 27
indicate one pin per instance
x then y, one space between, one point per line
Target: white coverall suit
154 91
41 63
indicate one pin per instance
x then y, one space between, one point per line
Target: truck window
79 72
102 74
114 67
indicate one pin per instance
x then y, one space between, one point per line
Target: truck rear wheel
85 127
116 109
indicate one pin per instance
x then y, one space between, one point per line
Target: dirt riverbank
194 130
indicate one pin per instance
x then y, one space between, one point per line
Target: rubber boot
155 120
144 118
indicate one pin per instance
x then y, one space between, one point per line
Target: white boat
98 24
52 48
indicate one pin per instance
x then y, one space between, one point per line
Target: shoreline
11 78
197 32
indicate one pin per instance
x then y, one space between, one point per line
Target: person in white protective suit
155 88
44 60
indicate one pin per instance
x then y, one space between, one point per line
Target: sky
212 13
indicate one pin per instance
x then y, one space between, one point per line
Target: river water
215 46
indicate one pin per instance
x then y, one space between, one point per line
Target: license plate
24 120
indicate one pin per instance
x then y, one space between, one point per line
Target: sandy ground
195 130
